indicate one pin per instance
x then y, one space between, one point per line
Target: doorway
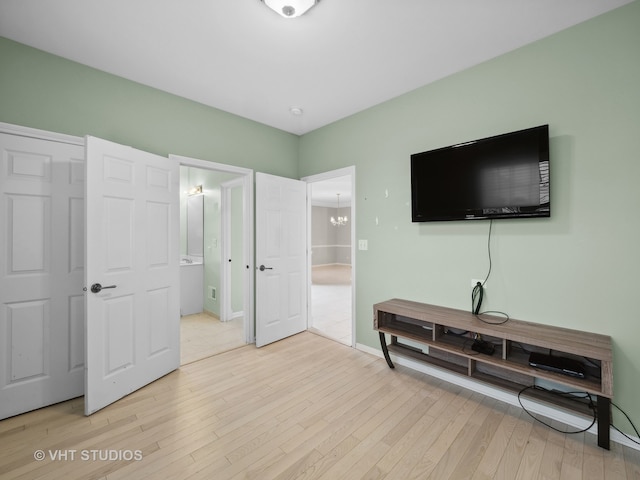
213 237
331 263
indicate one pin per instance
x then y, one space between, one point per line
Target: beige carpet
331 275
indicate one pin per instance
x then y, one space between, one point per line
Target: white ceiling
324 193
341 57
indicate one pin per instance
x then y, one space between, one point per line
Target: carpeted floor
331 313
331 275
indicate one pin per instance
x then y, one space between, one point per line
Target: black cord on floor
630 423
561 394
591 405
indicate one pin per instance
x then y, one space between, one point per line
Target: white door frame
40 134
341 172
246 175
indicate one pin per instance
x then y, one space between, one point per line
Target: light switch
363 245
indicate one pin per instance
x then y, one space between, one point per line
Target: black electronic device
505 176
552 363
482 346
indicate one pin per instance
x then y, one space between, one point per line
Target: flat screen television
505 176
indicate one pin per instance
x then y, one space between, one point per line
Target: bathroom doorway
331 261
212 236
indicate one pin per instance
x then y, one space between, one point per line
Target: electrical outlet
474 282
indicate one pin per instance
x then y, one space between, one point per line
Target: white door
132 251
281 281
41 273
233 262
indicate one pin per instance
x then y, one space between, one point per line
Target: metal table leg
385 350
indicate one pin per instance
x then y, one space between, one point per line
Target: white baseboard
336 264
233 316
538 408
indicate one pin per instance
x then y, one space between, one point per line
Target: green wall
43 91
577 269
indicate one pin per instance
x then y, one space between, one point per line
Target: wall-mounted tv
506 176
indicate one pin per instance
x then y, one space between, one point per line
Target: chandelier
290 8
340 221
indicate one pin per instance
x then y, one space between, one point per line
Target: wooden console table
448 335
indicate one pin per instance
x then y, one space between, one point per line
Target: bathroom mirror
195 225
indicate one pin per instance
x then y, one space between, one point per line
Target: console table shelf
444 338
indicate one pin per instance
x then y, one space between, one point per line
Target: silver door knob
96 287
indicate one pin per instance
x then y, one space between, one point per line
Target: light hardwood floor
203 335
305 407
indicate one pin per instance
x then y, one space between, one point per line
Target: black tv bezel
536 211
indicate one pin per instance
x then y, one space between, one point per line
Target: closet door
41 273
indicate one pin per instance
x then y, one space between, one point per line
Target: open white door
281 284
132 250
233 259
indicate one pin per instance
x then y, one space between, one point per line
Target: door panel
41 273
132 221
281 294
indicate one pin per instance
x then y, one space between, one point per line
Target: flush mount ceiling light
290 8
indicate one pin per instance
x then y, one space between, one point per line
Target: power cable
591 405
477 294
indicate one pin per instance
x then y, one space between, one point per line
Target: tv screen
506 176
